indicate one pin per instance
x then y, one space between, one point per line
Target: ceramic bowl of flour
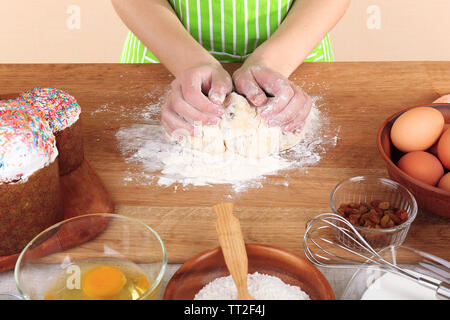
274 273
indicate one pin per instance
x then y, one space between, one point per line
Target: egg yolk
143 283
103 282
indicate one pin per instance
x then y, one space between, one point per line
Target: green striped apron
229 29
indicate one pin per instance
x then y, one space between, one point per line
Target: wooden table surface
355 97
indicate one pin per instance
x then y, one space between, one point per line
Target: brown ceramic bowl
192 276
429 198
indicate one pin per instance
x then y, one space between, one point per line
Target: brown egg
444 183
417 129
422 166
443 148
434 148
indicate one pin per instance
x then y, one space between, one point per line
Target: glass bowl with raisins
380 209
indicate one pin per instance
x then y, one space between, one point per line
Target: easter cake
40 140
62 113
30 196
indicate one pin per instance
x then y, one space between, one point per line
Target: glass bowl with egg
415 144
380 209
92 257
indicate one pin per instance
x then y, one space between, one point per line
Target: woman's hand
281 102
263 78
200 84
196 96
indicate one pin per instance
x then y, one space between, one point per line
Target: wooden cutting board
356 98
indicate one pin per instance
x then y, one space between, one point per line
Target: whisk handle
443 290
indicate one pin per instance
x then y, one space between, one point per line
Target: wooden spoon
233 247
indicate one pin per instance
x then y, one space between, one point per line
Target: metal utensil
323 251
233 247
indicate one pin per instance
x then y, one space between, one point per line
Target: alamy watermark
73 21
373 21
241 142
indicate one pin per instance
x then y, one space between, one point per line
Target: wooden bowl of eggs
415 143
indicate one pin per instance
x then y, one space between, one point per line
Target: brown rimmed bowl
429 198
292 269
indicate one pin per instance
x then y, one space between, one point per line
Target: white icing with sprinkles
27 127
27 143
59 108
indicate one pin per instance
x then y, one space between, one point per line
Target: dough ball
242 131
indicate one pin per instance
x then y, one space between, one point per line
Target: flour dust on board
165 162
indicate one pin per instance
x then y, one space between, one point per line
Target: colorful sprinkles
6 103
59 108
27 127
26 140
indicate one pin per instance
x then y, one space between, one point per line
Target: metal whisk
323 251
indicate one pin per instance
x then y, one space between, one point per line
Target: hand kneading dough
242 131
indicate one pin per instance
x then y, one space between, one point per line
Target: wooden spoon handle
233 247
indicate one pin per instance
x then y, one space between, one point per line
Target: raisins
376 214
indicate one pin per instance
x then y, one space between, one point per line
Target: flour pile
260 286
167 163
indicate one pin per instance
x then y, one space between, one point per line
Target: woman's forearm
155 23
307 22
